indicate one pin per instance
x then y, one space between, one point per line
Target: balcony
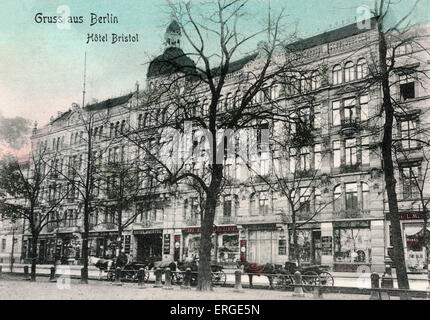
225 220
350 168
349 126
191 222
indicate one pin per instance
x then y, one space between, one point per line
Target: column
377 245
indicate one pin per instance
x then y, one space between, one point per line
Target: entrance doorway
316 247
149 247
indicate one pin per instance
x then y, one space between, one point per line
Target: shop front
308 244
352 245
149 245
46 245
264 243
103 244
414 241
225 244
68 248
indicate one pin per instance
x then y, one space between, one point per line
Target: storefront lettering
214 230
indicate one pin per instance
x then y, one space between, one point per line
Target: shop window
228 252
416 240
352 245
304 241
282 247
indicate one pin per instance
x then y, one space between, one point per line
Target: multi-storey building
254 221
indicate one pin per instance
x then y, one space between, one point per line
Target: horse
252 268
101 264
162 265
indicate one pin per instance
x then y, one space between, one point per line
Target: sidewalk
12 288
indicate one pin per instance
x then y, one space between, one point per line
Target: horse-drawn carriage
312 275
282 277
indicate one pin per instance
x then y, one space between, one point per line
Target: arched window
351 196
221 104
364 196
315 80
349 72
122 126
337 198
337 74
228 101
361 69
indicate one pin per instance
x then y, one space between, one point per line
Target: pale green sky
41 65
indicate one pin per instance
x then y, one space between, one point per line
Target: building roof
174 27
330 36
173 60
109 103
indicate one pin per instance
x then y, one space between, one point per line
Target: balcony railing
351 214
192 221
349 126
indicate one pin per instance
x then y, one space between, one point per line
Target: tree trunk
390 181
84 277
205 275
296 252
33 257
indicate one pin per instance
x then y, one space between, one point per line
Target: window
282 247
351 196
305 159
336 154
407 87
408 130
3 245
349 110
352 244
337 198
252 209
364 107
350 152
227 206
317 156
292 159
335 115
361 69
337 74
349 72
305 200
365 196
315 80
317 117
263 205
365 151
410 181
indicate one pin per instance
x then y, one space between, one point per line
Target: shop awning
416 241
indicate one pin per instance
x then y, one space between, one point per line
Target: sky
41 65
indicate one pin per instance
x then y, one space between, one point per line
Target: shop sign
177 249
102 234
262 227
148 231
327 245
127 244
351 224
166 247
242 250
219 229
409 215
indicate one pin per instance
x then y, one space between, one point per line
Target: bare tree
31 194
